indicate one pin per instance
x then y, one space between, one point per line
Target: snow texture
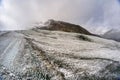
58 56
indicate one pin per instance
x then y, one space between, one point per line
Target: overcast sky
96 15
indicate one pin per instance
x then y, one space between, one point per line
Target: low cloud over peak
92 14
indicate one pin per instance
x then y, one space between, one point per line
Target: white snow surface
72 54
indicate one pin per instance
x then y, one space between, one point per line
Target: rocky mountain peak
65 26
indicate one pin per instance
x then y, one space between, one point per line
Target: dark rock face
64 26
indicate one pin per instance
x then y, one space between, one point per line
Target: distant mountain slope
113 34
65 26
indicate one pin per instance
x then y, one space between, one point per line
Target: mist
97 16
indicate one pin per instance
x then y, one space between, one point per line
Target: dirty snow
59 52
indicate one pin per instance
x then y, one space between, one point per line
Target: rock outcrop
65 26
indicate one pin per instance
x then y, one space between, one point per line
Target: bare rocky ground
55 55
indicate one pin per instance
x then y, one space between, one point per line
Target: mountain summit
54 25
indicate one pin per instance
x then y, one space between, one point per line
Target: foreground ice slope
53 55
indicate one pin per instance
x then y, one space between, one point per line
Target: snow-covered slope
53 55
113 34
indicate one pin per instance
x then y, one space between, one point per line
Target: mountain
113 34
38 54
54 25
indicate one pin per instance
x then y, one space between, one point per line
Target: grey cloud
92 14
